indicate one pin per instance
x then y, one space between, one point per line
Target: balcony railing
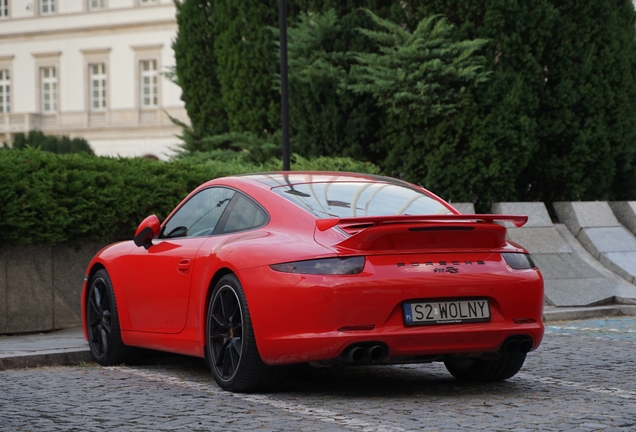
12 123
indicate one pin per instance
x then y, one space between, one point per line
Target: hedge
52 198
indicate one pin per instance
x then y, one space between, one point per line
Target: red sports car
259 271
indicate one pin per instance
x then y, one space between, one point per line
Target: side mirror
147 230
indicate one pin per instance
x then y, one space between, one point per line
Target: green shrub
52 198
51 143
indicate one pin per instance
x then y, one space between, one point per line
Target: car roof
290 178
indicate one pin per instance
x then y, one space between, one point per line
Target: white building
91 69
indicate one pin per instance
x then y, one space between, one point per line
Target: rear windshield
354 199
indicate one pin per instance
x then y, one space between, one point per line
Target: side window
199 216
244 214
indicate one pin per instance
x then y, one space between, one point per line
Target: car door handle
184 266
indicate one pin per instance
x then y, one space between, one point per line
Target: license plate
446 312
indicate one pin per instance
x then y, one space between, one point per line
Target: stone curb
52 358
552 314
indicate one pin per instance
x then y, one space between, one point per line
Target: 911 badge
446 270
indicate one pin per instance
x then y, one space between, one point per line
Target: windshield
355 199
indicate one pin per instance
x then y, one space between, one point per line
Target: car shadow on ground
385 381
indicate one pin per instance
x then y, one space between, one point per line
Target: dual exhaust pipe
365 353
517 344
374 352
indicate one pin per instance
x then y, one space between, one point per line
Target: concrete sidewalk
56 348
68 347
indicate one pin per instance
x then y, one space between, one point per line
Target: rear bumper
302 318
412 342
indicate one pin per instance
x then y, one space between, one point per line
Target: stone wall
40 286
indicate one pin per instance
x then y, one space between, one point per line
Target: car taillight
332 266
519 261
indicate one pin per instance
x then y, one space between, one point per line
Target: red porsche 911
256 272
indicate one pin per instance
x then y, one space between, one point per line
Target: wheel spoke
97 295
225 305
233 314
237 346
221 321
104 341
227 363
95 333
222 350
95 306
234 356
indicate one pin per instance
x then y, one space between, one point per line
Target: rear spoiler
325 224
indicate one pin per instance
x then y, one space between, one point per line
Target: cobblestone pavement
582 378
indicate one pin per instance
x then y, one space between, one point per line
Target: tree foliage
420 78
247 62
404 87
51 143
327 116
225 64
420 74
587 115
196 69
556 120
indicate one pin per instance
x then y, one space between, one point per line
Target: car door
158 278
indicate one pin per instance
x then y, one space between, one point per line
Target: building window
49 89
47 7
97 86
5 91
147 2
4 9
96 4
149 78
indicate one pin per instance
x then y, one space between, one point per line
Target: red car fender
111 258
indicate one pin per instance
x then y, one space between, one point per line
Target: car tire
231 346
478 370
102 323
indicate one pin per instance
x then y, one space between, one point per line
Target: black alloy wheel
98 318
231 346
104 336
226 333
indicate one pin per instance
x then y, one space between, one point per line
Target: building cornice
147 47
107 29
95 51
47 54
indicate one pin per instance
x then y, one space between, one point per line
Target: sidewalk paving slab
56 348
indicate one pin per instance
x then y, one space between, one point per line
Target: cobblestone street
583 377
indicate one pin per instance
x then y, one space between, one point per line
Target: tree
419 78
196 70
247 64
556 120
587 116
327 117
227 63
482 150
